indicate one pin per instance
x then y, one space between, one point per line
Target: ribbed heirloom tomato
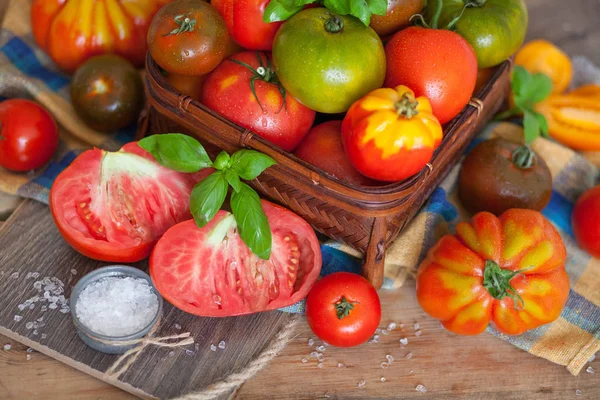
390 135
113 206
210 271
508 271
71 31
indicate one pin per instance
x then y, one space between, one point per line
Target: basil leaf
543 124
176 151
280 10
520 78
233 178
531 126
342 7
378 7
539 87
250 163
252 222
222 161
361 11
208 197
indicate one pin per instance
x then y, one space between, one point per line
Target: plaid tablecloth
570 341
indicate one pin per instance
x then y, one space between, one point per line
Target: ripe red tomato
323 148
343 309
28 135
438 64
210 272
586 221
188 37
244 20
251 96
113 206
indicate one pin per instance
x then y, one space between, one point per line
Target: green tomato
328 61
495 28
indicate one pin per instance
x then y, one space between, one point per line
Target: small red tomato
586 221
245 89
28 135
343 309
438 64
323 148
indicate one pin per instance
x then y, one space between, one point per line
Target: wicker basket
366 218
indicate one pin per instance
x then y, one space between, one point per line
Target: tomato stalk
524 157
334 24
475 3
438 12
497 282
407 106
343 307
185 24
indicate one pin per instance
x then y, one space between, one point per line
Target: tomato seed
294 261
82 205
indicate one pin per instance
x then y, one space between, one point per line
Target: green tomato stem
334 24
186 24
475 3
524 157
343 307
407 106
497 282
438 12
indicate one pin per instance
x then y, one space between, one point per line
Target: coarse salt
421 389
7 346
590 370
320 365
213 347
304 360
340 365
362 383
404 341
416 326
578 392
321 348
408 356
28 357
222 345
382 379
391 326
17 318
418 333
311 342
116 306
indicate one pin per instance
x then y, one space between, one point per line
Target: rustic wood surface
450 367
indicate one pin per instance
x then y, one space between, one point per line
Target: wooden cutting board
30 242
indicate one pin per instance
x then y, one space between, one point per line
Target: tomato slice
211 272
113 206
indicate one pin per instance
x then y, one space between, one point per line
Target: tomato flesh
113 206
209 271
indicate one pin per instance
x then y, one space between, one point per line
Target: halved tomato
210 272
113 206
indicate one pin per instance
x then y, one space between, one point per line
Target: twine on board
122 364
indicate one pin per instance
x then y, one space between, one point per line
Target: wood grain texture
158 372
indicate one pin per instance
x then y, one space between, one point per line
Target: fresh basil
280 10
177 151
207 198
252 221
222 161
250 163
233 179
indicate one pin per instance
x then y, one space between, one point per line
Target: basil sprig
280 10
185 154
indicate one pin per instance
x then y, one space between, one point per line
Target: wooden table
451 367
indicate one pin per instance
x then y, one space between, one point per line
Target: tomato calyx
265 73
334 24
497 282
407 106
524 157
343 307
438 12
185 24
475 3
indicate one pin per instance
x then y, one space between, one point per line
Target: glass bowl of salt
115 306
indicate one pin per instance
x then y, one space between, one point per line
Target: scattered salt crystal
177 326
401 326
340 365
31 307
115 306
53 306
74 271
29 325
35 332
320 357
362 383
171 353
421 388
325 344
30 350
320 365
376 337
418 333
416 326
408 356
378 330
320 348
197 346
592 358
28 357
213 347
44 336
40 319
590 370
389 358
222 345
382 379
391 326
384 364
7 347
578 392
44 308
384 332
28 275
17 318
37 285
411 372
304 360
404 341
14 275
35 275
21 307
189 353
313 354
311 342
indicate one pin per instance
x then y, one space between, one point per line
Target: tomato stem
497 282
524 157
436 16
475 3
185 24
334 24
343 307
407 106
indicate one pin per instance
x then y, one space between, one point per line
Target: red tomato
210 272
244 20
28 135
438 64
188 37
586 221
267 109
113 206
343 309
323 148
71 31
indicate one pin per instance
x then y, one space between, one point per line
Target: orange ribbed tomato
389 135
542 56
71 31
507 270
